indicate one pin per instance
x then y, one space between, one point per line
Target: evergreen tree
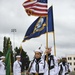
5 46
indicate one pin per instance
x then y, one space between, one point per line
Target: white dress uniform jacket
43 67
2 68
17 68
55 70
65 68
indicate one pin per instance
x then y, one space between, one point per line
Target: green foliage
6 43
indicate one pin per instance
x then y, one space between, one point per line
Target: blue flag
50 20
39 26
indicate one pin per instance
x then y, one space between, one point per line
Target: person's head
48 50
38 53
64 59
18 57
3 58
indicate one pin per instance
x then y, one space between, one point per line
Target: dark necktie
20 64
49 61
37 65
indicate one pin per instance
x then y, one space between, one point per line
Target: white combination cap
18 56
2 57
64 56
38 50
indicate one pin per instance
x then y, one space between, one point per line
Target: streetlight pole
14 31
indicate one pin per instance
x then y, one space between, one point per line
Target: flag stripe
40 10
39 14
36 11
43 4
43 8
28 4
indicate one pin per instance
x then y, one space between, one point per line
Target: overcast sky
13 16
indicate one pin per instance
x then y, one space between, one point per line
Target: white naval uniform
2 68
17 68
42 69
55 70
65 68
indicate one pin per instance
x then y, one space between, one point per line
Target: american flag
36 7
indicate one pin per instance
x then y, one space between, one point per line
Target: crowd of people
42 64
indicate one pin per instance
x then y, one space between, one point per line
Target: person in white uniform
38 66
64 67
52 62
2 66
17 66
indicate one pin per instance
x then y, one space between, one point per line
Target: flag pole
21 49
54 35
54 44
47 32
47 37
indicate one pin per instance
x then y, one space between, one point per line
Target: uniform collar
38 60
49 54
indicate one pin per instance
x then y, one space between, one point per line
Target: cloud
13 16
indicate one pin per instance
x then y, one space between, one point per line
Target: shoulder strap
44 63
20 64
68 67
61 70
31 65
